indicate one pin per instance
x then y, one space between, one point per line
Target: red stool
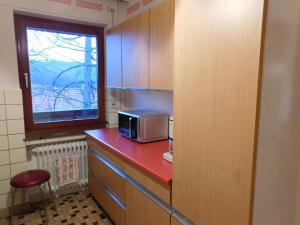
27 179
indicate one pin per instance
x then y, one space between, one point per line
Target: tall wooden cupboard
216 86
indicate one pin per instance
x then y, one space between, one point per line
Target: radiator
67 162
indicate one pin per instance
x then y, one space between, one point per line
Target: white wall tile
4 201
4 158
111 125
3 143
112 118
4 186
3 127
18 168
13 97
4 172
14 112
2 101
113 94
16 141
2 112
113 106
15 126
18 155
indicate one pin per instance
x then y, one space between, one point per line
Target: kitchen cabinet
140 51
114 57
135 52
142 210
126 192
216 90
162 45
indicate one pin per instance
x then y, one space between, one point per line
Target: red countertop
148 157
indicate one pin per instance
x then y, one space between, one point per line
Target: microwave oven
143 125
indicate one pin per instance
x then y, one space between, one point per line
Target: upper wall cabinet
162 45
135 52
113 57
140 51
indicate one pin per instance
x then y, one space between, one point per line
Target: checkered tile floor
73 209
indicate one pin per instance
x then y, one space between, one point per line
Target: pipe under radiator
67 162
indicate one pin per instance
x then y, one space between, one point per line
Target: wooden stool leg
44 205
12 206
52 195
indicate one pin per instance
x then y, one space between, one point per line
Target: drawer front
160 190
143 211
114 159
110 175
108 202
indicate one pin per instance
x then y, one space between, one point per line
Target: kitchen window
61 71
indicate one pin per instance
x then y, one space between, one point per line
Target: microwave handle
130 130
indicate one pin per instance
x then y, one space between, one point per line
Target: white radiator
67 162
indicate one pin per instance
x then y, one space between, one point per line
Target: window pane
63 76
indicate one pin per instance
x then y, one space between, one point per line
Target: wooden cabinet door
174 222
141 210
217 73
113 57
135 52
162 45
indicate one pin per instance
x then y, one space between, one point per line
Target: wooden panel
174 222
142 210
217 71
107 176
135 52
116 213
91 184
162 45
117 161
160 190
113 57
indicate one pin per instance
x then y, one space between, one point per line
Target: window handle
26 79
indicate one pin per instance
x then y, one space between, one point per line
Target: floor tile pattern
72 209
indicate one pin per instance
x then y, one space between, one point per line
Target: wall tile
113 106
15 126
16 141
3 127
3 143
4 172
2 101
18 155
113 94
2 112
4 158
18 168
4 201
112 118
13 97
4 186
14 112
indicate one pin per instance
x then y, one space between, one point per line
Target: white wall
8 59
277 190
147 99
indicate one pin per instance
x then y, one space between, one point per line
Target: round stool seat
30 178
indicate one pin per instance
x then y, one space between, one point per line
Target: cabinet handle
150 195
108 164
26 80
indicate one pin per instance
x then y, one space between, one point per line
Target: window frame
37 130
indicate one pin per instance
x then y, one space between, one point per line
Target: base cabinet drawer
174 222
107 202
108 175
143 211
